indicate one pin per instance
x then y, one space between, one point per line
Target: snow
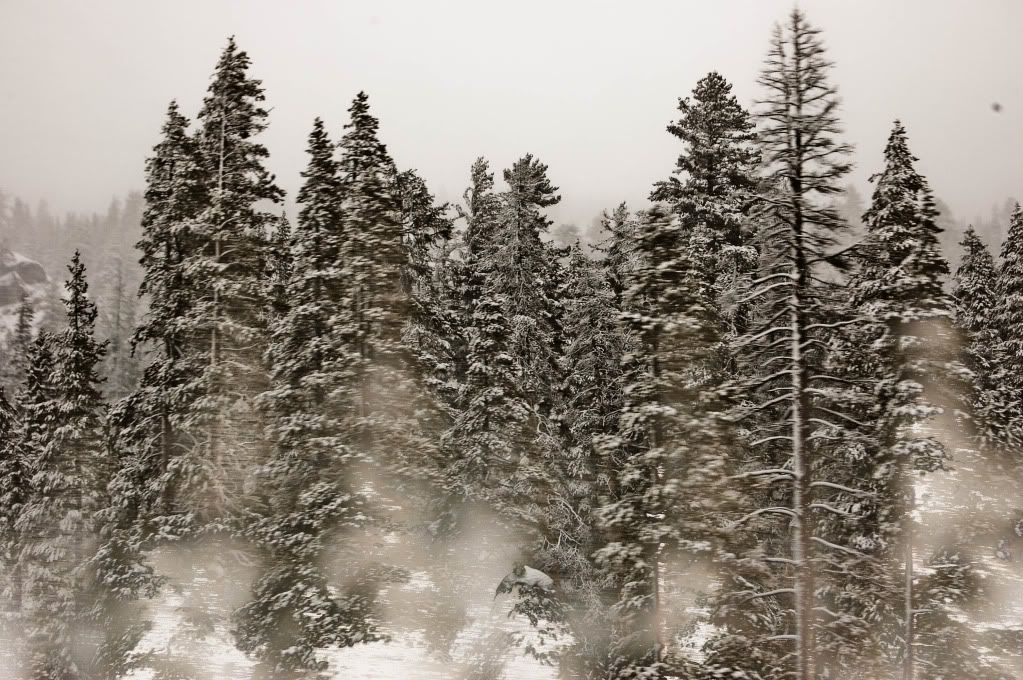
407 656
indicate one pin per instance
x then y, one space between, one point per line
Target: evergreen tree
898 294
618 248
309 492
669 451
280 265
148 424
993 399
374 259
479 213
789 414
36 409
396 420
18 351
1009 317
594 389
225 320
526 277
716 172
13 486
974 290
426 279
58 522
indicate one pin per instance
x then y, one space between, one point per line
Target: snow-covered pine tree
432 316
19 348
14 475
524 279
974 290
902 312
787 413
671 273
479 212
714 177
148 426
527 277
595 347
668 454
308 490
58 523
36 408
226 266
490 428
280 265
374 259
618 248
1009 315
994 402
397 422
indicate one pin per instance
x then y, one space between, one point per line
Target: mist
576 341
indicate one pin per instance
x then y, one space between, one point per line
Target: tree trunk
909 632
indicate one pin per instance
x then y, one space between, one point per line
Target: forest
752 431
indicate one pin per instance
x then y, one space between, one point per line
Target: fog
455 443
586 86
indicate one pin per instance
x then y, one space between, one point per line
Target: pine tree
226 267
897 293
480 214
36 410
717 170
490 426
618 248
280 265
13 487
993 400
790 414
148 424
58 522
526 278
594 389
1009 317
18 351
524 281
374 259
974 291
426 279
671 275
669 451
309 491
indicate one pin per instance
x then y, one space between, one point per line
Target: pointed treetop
1010 290
361 148
80 309
974 291
321 172
527 179
903 268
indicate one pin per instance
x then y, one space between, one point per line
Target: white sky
588 86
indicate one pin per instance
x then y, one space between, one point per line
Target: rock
18 276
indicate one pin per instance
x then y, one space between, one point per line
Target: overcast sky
588 86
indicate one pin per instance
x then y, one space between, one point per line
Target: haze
586 86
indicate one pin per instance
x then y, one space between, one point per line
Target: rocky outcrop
19 276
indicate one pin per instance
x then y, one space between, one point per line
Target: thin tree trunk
216 292
801 546
656 548
909 660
